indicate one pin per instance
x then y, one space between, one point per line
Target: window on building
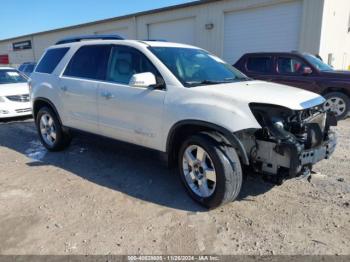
259 64
125 62
89 62
290 65
50 60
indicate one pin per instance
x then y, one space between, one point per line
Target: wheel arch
41 102
336 89
186 128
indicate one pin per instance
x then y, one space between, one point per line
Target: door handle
64 88
107 95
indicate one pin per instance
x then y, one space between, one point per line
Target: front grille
18 98
24 110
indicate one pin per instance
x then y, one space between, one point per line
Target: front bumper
11 108
289 159
8 113
314 155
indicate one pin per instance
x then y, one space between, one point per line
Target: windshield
316 62
194 67
9 76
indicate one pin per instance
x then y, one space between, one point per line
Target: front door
128 113
290 71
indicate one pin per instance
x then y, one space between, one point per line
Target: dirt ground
105 197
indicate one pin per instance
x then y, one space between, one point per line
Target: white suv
209 119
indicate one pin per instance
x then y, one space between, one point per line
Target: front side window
125 62
50 60
89 62
195 67
11 77
290 65
259 64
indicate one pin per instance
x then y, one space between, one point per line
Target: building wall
210 13
335 35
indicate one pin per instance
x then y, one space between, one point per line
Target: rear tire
50 130
338 103
205 163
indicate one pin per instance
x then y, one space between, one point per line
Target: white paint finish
145 116
180 31
335 38
271 28
79 101
132 114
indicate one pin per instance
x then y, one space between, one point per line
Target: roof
153 11
274 53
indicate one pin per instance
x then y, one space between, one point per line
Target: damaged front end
290 141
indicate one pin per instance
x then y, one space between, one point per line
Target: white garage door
179 31
123 32
272 28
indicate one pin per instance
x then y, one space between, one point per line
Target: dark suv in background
304 71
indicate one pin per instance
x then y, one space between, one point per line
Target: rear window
51 59
259 64
89 62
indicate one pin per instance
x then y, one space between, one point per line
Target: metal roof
153 11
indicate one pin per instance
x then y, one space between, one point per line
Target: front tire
50 130
338 103
210 172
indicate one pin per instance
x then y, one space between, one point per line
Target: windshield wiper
212 82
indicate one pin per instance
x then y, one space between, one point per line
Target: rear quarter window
260 64
50 60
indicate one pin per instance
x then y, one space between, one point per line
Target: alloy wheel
336 105
199 171
48 129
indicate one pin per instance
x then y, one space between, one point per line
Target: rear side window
89 62
259 64
51 59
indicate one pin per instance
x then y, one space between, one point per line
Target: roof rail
72 39
155 40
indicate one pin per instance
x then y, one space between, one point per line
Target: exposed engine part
289 142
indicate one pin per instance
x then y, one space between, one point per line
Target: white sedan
14 94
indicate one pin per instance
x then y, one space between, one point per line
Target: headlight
2 99
267 114
272 118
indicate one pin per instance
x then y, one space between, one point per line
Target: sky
20 17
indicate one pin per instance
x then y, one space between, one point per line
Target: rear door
290 71
259 67
126 113
79 86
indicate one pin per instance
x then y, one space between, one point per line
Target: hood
337 74
14 89
266 93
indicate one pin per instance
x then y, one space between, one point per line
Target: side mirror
307 71
143 80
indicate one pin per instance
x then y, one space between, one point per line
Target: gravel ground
105 197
